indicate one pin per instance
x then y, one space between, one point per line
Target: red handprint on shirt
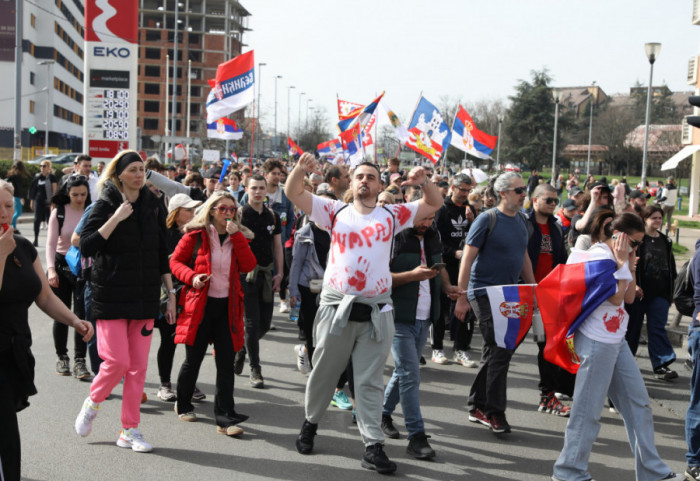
613 323
382 286
403 213
358 279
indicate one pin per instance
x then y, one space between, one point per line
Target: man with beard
355 316
639 200
452 222
493 257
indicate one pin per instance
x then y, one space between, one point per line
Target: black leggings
41 214
68 290
166 350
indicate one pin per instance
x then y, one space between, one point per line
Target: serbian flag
233 87
567 296
224 129
348 110
329 148
352 144
362 117
511 310
428 134
367 138
467 138
294 149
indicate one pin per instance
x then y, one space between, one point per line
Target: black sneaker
239 361
693 473
305 440
80 370
388 427
498 423
256 379
374 458
419 448
63 365
665 374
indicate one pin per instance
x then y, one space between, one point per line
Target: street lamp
48 64
500 118
257 121
289 104
276 77
652 50
556 94
306 122
299 116
590 134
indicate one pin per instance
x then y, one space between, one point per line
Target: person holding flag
607 366
494 255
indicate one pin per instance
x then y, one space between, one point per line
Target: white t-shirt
360 244
423 307
608 322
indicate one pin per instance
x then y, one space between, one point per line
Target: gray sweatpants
368 359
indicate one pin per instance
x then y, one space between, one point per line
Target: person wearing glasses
70 202
82 167
493 257
41 190
125 235
607 366
208 260
547 248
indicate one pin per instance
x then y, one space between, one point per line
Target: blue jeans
660 349
608 369
692 417
18 212
408 343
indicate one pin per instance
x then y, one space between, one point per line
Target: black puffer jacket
126 275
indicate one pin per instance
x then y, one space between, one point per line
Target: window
195 91
153 35
153 89
32 78
152 71
150 106
31 106
32 20
153 53
150 124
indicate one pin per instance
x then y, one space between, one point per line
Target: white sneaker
284 307
83 423
439 357
302 359
132 438
463 358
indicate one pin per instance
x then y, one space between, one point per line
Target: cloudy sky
468 49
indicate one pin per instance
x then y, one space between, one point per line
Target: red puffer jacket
193 300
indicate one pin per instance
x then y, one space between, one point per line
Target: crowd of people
367 260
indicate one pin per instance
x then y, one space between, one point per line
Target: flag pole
252 137
420 96
452 129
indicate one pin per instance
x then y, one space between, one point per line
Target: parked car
41 158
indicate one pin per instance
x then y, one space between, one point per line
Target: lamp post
652 50
500 118
289 104
299 116
590 135
257 118
556 94
276 77
48 64
306 122
173 119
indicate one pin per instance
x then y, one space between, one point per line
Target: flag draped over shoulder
466 137
429 135
233 87
294 149
566 297
224 128
511 310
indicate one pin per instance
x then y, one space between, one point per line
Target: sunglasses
635 243
226 210
551 200
518 190
78 177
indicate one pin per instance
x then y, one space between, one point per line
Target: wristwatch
172 291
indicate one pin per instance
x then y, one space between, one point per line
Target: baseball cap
638 194
394 176
213 173
182 200
603 186
569 204
574 192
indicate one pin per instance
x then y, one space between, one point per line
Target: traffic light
694 120
32 130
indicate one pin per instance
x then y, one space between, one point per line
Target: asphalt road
186 451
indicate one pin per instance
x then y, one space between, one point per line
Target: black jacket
559 254
127 269
670 260
453 227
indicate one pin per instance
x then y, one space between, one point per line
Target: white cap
182 200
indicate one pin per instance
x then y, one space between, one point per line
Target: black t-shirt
265 226
40 189
16 181
656 276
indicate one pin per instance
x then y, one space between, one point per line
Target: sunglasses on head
518 190
78 177
552 200
226 210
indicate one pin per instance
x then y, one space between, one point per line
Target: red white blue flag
352 144
466 137
566 297
233 87
348 110
294 149
429 135
330 148
358 116
224 129
511 310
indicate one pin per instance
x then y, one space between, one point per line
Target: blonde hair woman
208 260
125 235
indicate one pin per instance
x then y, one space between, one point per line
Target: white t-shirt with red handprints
358 261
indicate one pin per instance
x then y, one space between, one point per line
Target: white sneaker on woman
83 423
132 438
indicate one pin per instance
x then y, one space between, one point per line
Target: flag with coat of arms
352 144
233 87
294 149
330 148
511 310
225 129
467 138
359 116
428 134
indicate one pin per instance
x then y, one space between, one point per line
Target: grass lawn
678 249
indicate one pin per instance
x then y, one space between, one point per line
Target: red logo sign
111 21
106 149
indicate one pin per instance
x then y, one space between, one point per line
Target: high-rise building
209 32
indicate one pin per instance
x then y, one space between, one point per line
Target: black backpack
684 290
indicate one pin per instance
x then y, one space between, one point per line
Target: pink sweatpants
123 344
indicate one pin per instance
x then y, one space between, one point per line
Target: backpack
393 232
684 290
60 217
493 217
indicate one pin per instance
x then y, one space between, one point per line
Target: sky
469 50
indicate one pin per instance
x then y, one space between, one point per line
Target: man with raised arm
355 316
